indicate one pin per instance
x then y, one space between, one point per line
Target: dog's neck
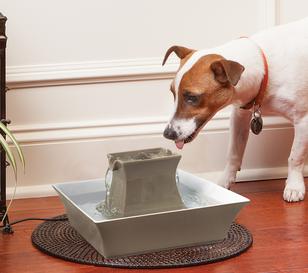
247 53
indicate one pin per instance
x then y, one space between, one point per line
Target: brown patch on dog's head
207 87
204 89
181 51
184 54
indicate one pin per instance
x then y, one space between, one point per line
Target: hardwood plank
261 186
280 233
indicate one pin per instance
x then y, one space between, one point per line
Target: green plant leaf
11 136
9 154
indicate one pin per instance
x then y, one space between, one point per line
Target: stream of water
105 207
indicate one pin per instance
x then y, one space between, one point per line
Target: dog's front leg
239 131
295 187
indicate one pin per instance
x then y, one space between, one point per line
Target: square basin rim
243 202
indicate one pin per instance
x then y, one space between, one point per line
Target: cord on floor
7 229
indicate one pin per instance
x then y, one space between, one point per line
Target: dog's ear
180 51
227 71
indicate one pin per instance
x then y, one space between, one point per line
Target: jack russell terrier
267 73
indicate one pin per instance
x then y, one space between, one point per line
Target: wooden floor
280 233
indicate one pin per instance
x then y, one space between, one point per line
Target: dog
266 74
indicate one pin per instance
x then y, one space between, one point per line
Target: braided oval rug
59 239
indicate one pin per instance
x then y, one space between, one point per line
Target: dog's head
202 85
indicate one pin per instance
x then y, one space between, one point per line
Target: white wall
86 79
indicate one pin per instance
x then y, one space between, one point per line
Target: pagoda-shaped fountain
145 204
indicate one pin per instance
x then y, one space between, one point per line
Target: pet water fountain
145 204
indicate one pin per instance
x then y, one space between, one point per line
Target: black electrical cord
8 227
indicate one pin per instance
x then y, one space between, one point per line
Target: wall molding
28 76
90 72
100 129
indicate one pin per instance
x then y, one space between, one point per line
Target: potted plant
11 158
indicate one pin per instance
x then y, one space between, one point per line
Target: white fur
183 127
286 50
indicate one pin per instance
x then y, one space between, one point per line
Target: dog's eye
191 99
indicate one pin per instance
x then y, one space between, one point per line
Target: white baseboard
244 175
254 174
31 191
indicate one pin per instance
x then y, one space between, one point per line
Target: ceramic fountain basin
208 213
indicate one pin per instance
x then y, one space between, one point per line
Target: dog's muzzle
169 133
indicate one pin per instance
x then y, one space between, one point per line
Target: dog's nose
169 133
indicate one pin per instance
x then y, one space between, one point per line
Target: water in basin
191 198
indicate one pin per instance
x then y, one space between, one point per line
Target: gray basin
208 213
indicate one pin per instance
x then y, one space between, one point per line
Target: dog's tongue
179 144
